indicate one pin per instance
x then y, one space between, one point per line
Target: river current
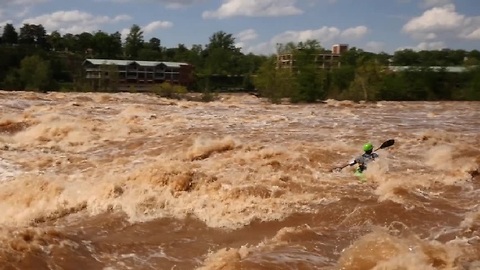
134 181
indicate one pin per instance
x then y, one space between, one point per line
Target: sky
259 25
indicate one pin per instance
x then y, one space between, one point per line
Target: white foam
8 171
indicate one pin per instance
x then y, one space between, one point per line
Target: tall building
339 48
322 60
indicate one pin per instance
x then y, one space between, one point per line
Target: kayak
360 175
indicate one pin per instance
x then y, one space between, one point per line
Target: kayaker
365 158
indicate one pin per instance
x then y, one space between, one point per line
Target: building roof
434 68
129 62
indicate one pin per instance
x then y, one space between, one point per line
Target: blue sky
373 25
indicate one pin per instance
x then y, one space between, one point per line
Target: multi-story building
322 60
132 72
339 48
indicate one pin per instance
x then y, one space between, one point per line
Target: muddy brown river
134 181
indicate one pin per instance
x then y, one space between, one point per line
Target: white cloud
174 4
442 22
355 32
15 9
437 45
474 34
375 46
254 8
243 37
246 35
151 27
124 33
325 35
74 21
435 19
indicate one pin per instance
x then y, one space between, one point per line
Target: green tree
220 58
83 42
33 34
55 41
154 44
340 80
35 74
134 42
109 79
406 57
367 82
10 35
106 45
220 54
273 83
310 79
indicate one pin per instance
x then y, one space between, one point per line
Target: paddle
384 145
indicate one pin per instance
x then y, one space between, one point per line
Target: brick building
322 60
132 72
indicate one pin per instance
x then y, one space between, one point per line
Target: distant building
450 69
133 72
322 61
339 48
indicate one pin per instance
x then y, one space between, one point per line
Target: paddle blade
387 144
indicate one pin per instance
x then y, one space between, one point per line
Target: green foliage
168 90
35 74
109 80
367 82
471 91
340 80
208 96
221 66
304 83
272 83
134 42
10 35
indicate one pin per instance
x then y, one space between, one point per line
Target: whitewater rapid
134 181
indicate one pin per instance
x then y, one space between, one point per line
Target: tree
407 57
10 35
32 34
222 40
220 54
340 79
286 48
352 56
83 42
116 48
35 74
310 79
134 42
367 82
195 56
273 83
55 41
106 46
154 44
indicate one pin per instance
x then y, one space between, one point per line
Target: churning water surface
133 181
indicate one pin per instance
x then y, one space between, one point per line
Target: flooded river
133 181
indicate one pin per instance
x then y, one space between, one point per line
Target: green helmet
367 147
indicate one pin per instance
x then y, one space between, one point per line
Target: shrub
168 90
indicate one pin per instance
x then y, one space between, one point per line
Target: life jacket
364 159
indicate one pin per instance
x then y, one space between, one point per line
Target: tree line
33 59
